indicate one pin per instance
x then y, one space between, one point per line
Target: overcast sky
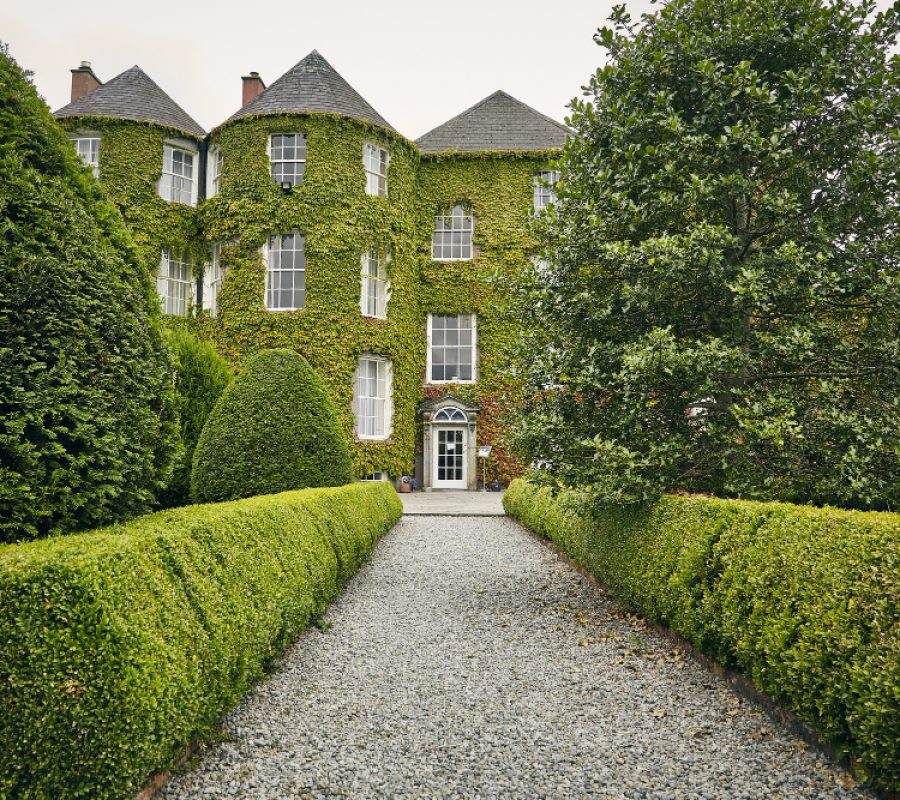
418 62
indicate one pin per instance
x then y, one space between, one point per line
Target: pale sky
418 62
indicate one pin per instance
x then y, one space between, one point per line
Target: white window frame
382 406
93 151
213 171
213 275
375 288
545 181
273 162
171 185
429 380
379 475
461 220
268 252
376 160
176 292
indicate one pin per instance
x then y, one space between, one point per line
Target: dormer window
177 183
213 171
545 188
375 160
453 235
287 153
88 149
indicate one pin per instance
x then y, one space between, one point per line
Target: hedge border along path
805 601
121 646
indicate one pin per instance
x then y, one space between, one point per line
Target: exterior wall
340 221
131 160
499 190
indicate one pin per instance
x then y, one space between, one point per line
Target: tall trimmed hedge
806 601
87 423
273 429
119 647
201 376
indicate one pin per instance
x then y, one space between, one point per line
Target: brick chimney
253 86
83 80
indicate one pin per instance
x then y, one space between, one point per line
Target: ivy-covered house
307 221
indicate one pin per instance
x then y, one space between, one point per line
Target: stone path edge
738 682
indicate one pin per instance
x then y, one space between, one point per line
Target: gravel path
466 661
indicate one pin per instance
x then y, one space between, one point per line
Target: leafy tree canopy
721 309
87 419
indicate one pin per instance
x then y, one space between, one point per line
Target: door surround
447 413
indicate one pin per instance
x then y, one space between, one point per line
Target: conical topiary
273 429
88 428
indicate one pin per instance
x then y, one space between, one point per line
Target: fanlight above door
450 415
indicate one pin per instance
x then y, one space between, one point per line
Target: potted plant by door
405 484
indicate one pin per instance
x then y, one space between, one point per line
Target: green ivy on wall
131 158
340 221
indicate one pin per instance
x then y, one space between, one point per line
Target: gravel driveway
466 661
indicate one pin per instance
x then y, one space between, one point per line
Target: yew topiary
200 378
87 420
273 429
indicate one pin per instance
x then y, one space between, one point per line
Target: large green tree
721 308
87 421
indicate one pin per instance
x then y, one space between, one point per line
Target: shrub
273 429
120 646
87 421
805 600
201 377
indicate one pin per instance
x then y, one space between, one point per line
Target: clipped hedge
120 646
273 429
806 601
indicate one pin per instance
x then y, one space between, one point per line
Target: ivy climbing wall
340 222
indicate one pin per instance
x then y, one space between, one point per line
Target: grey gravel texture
466 660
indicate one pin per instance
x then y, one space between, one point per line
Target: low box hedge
120 646
806 601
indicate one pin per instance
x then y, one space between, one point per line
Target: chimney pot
252 86
83 80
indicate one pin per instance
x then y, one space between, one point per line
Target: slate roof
312 85
133 95
499 122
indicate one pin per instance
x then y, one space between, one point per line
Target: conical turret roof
312 85
499 122
133 95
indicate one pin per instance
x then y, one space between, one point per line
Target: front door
450 458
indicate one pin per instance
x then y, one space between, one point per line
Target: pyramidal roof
133 95
312 85
499 122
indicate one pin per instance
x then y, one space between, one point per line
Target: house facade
307 221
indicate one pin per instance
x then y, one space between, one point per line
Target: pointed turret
312 86
499 122
133 95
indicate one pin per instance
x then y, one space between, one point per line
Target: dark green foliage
87 431
273 429
200 378
119 647
726 240
806 601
